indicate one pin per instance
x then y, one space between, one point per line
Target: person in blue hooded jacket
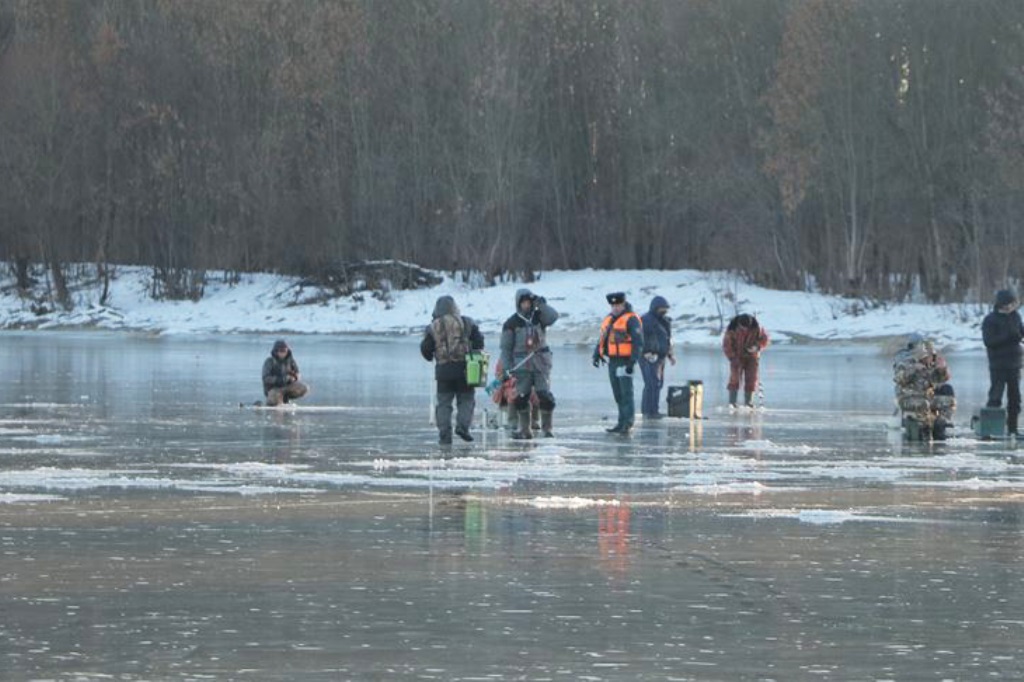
657 328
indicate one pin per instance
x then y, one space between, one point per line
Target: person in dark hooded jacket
281 376
657 349
525 354
446 341
1002 331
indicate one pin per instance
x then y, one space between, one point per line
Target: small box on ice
990 423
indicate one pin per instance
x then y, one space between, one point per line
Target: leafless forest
869 147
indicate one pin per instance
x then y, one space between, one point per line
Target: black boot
545 423
732 398
524 432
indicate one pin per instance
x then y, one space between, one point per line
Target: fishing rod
497 382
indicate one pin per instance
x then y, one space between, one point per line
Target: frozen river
151 529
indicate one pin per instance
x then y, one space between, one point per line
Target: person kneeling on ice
446 342
923 393
621 345
742 344
281 376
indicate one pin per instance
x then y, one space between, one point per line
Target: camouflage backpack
450 338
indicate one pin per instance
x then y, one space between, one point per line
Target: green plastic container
476 368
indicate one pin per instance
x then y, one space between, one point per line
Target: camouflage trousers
927 406
292 391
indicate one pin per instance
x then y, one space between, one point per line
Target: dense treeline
873 147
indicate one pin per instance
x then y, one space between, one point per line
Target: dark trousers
465 398
1008 379
622 391
654 379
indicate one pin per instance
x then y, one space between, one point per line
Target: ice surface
150 528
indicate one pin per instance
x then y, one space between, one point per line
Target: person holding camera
620 346
525 355
281 376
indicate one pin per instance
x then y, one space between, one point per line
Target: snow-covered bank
702 304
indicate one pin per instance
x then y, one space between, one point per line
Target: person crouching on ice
923 392
281 376
742 344
621 345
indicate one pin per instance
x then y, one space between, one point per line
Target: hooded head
1005 298
745 320
280 345
445 306
521 294
914 340
658 303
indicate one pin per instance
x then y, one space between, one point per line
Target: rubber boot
524 432
534 418
732 398
545 422
748 399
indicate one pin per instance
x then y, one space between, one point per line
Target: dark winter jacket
278 372
1002 333
657 329
524 334
744 338
448 338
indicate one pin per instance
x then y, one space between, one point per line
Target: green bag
476 368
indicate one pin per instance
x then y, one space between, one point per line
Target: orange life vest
615 339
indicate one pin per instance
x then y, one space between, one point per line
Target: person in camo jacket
447 340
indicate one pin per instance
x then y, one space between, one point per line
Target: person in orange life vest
621 345
446 341
742 344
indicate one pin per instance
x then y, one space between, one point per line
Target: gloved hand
629 367
539 300
651 357
598 361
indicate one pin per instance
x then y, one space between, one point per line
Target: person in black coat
1002 331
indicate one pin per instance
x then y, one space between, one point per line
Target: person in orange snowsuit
742 344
